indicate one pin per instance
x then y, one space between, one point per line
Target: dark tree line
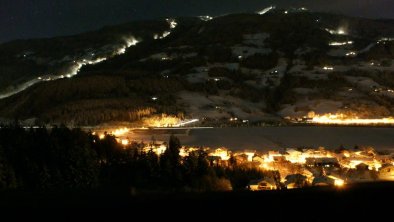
70 159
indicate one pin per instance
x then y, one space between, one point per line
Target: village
293 167
299 168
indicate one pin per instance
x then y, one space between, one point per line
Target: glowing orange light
222 153
125 142
120 132
337 182
157 149
250 156
162 121
342 119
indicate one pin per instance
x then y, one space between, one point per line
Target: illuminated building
387 173
262 184
222 153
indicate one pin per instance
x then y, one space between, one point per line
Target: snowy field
267 138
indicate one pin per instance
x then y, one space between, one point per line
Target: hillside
246 66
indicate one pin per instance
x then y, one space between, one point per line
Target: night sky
46 18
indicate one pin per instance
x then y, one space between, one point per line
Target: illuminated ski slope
77 65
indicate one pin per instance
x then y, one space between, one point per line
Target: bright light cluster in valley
341 119
317 166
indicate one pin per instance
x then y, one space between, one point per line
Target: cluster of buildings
303 167
296 168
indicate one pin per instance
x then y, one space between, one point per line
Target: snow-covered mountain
250 67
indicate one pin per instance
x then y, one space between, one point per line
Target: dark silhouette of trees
170 163
40 159
7 174
60 159
240 176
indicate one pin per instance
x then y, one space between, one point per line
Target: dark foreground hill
358 202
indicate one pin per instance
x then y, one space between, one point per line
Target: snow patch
319 106
222 106
75 66
266 10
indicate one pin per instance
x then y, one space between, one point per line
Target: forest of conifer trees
60 158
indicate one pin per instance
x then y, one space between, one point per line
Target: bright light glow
286 163
375 166
385 39
157 149
250 156
264 11
125 142
165 120
185 151
340 43
205 18
165 34
172 22
295 156
162 121
337 182
186 122
129 41
351 54
222 153
341 119
339 31
74 68
349 159
328 68
354 163
120 132
267 166
270 157
117 132
98 60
